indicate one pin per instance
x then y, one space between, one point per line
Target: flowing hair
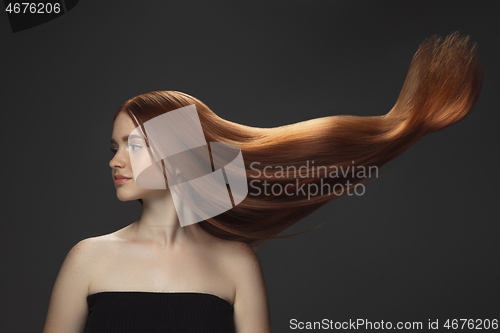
442 85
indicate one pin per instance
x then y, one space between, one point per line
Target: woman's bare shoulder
86 246
93 247
236 254
244 270
236 248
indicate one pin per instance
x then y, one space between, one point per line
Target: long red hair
442 85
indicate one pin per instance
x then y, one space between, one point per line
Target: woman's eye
134 147
113 150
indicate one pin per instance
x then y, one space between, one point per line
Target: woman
205 277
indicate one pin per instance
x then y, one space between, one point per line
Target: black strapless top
158 312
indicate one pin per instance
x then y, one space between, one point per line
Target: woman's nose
117 161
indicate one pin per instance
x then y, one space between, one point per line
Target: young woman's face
126 189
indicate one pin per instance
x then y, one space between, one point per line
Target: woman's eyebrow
126 137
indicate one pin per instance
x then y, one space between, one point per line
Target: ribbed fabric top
155 312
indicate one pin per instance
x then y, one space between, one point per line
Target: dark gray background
421 244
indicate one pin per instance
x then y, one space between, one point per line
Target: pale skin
156 254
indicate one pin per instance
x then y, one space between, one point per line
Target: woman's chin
124 197
124 194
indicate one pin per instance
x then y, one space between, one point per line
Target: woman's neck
159 223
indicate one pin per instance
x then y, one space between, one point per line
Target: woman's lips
121 180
